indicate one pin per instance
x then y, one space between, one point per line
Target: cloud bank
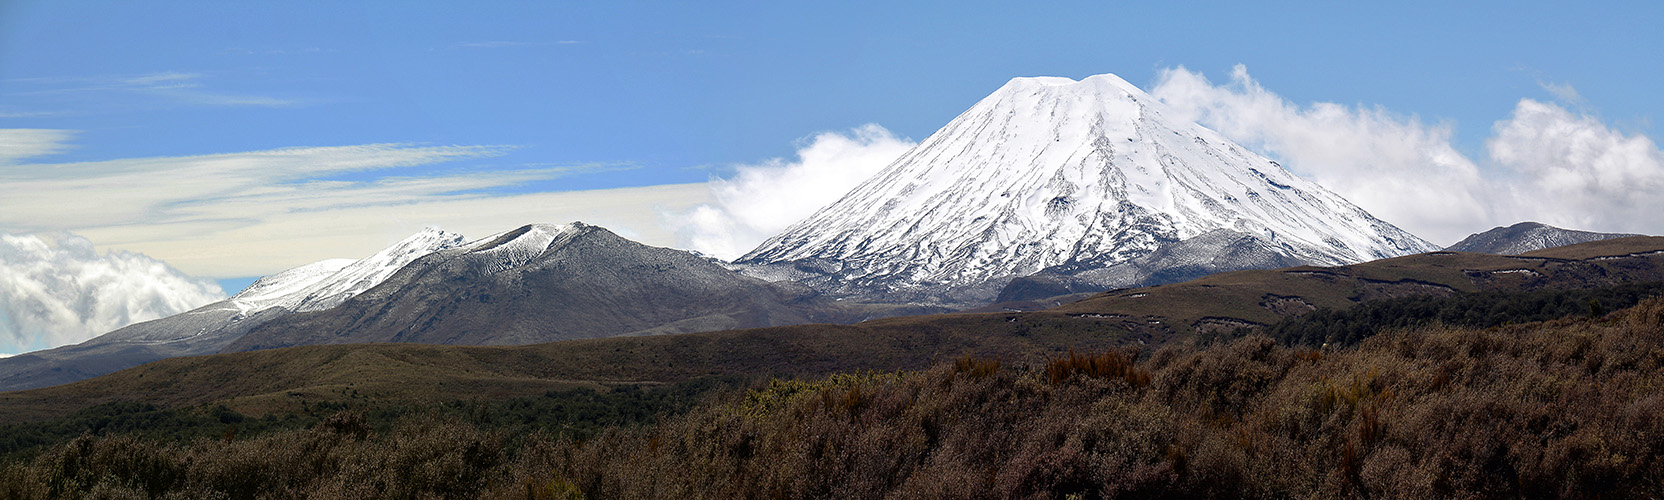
761 200
1573 170
1544 163
259 212
60 291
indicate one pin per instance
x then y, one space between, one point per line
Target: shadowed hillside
286 379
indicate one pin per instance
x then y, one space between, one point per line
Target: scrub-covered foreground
1560 409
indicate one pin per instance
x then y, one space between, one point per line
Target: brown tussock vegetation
1564 409
976 367
1109 365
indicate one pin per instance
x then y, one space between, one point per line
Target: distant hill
1525 237
284 379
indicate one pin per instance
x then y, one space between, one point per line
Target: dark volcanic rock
1525 237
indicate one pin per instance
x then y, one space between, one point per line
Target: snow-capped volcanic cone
1051 173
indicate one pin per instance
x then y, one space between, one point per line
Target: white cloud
1546 164
1396 167
254 213
21 143
1572 170
761 200
60 291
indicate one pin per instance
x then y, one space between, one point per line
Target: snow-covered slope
1052 172
512 249
313 287
325 284
288 286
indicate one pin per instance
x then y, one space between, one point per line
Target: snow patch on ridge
515 248
326 284
290 282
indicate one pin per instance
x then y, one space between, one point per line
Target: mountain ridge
541 283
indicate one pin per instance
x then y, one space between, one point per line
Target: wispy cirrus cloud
26 114
1564 92
503 44
278 52
167 190
251 213
21 143
168 86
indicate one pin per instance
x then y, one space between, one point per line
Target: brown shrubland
1563 409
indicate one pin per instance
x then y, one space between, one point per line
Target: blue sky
603 95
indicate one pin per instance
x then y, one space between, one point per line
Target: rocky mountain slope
1060 176
542 283
1525 237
